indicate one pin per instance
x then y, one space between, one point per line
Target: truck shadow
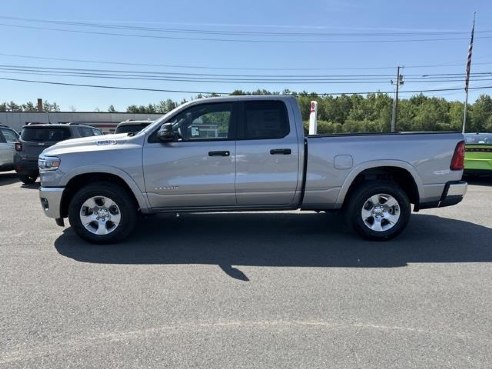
8 178
479 180
283 240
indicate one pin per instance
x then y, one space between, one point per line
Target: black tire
103 194
26 179
382 219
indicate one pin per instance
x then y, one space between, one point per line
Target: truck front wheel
102 213
378 210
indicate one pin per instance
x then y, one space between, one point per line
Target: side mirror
165 133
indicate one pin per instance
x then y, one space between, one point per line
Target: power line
74 60
235 78
228 93
106 25
186 66
414 77
111 87
238 40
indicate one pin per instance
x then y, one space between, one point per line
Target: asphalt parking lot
270 290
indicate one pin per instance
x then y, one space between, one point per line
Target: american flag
468 62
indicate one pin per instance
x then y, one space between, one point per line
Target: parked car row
35 138
478 153
20 152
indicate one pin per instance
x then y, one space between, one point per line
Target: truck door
267 155
197 169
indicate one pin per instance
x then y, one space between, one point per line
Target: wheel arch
78 181
399 172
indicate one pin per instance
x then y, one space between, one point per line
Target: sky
150 50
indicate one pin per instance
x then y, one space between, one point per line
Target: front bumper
51 198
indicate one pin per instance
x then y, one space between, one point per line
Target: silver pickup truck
247 153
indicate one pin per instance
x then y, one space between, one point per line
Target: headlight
48 162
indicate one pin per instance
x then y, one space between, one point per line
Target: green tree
165 106
432 115
132 109
12 106
47 107
29 107
455 115
480 118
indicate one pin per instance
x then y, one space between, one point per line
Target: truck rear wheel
102 213
378 210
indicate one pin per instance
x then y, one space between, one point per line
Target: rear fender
374 165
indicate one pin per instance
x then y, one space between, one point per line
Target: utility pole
399 81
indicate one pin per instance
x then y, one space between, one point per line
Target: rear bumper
51 201
453 194
26 167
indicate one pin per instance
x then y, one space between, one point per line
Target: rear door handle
219 153
280 151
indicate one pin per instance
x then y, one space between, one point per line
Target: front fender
142 200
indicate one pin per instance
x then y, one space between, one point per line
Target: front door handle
219 153
280 151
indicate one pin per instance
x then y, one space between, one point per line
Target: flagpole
468 69
465 110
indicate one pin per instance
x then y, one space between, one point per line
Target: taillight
18 146
458 161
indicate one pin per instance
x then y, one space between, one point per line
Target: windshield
162 119
41 134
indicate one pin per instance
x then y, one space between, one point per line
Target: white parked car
8 138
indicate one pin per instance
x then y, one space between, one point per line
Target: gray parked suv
132 126
8 138
37 137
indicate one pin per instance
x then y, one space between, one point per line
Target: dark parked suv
37 137
132 126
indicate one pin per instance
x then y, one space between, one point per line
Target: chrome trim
458 189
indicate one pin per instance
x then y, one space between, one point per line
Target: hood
91 143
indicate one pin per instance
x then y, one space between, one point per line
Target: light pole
399 81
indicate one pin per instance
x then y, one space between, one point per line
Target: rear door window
9 135
264 120
42 134
85 131
129 128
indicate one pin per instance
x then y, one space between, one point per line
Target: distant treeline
29 107
372 112
352 113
